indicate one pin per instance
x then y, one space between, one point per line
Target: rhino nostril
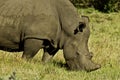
77 54
91 54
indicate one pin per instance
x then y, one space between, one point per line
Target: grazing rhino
29 25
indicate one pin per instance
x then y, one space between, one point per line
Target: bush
81 3
101 5
107 5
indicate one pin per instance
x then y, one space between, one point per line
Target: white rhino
29 25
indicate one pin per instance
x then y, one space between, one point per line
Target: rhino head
76 50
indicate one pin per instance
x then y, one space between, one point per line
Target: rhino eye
80 27
76 31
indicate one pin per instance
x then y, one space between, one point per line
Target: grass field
104 42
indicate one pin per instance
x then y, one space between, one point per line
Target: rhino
30 25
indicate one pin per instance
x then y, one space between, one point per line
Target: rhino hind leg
31 47
49 53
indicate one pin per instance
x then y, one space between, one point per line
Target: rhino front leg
31 47
48 54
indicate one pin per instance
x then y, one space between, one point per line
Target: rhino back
29 18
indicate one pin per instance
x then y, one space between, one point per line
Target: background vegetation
101 5
104 42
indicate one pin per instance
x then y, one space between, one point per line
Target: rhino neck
68 16
63 38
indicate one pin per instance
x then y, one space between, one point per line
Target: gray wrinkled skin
29 25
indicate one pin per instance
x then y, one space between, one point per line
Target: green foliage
101 5
82 3
107 5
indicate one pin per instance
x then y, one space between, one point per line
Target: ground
104 42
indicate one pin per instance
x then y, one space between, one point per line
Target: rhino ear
80 28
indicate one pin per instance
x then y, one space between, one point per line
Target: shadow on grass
60 64
1 78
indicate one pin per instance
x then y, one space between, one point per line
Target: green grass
104 42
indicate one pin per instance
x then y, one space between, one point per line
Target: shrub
107 5
101 5
81 3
